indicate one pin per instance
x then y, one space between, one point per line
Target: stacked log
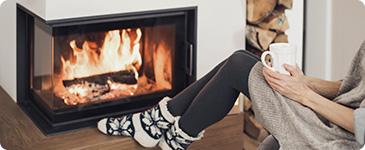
266 23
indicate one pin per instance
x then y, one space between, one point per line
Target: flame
120 51
162 68
116 54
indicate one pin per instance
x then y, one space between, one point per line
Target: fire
115 55
160 62
118 58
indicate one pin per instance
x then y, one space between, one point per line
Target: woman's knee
248 53
236 59
239 51
240 58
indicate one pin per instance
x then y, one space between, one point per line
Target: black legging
210 98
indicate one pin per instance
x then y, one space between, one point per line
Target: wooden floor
17 131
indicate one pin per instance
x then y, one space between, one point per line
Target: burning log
125 77
85 92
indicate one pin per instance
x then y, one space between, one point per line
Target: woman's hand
295 88
292 86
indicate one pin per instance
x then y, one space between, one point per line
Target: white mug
281 53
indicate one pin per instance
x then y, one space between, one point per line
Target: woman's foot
176 139
146 127
117 126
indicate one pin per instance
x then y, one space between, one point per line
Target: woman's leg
178 105
147 127
218 95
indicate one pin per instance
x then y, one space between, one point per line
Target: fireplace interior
73 72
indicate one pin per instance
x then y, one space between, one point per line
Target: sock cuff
185 135
165 111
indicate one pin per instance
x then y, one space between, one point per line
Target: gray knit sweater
352 92
298 127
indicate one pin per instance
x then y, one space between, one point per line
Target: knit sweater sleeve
352 93
360 125
359 113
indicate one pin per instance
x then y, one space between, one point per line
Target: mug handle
263 56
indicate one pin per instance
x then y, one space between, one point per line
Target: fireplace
72 72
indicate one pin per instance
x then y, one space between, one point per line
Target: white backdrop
221 26
334 32
296 26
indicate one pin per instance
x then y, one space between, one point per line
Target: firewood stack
266 23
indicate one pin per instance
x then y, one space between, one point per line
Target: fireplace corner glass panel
95 63
42 64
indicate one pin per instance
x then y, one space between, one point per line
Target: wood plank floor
17 131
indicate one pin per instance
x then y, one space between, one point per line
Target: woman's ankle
189 128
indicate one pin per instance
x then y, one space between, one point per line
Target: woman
300 112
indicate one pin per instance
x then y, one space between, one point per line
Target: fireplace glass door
88 64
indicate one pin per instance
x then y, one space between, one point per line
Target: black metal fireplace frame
50 122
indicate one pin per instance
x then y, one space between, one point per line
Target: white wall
55 9
220 26
334 32
8 40
220 23
348 32
296 23
7 48
318 33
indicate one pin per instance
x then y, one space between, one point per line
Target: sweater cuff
360 125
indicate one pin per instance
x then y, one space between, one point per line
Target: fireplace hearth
72 72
